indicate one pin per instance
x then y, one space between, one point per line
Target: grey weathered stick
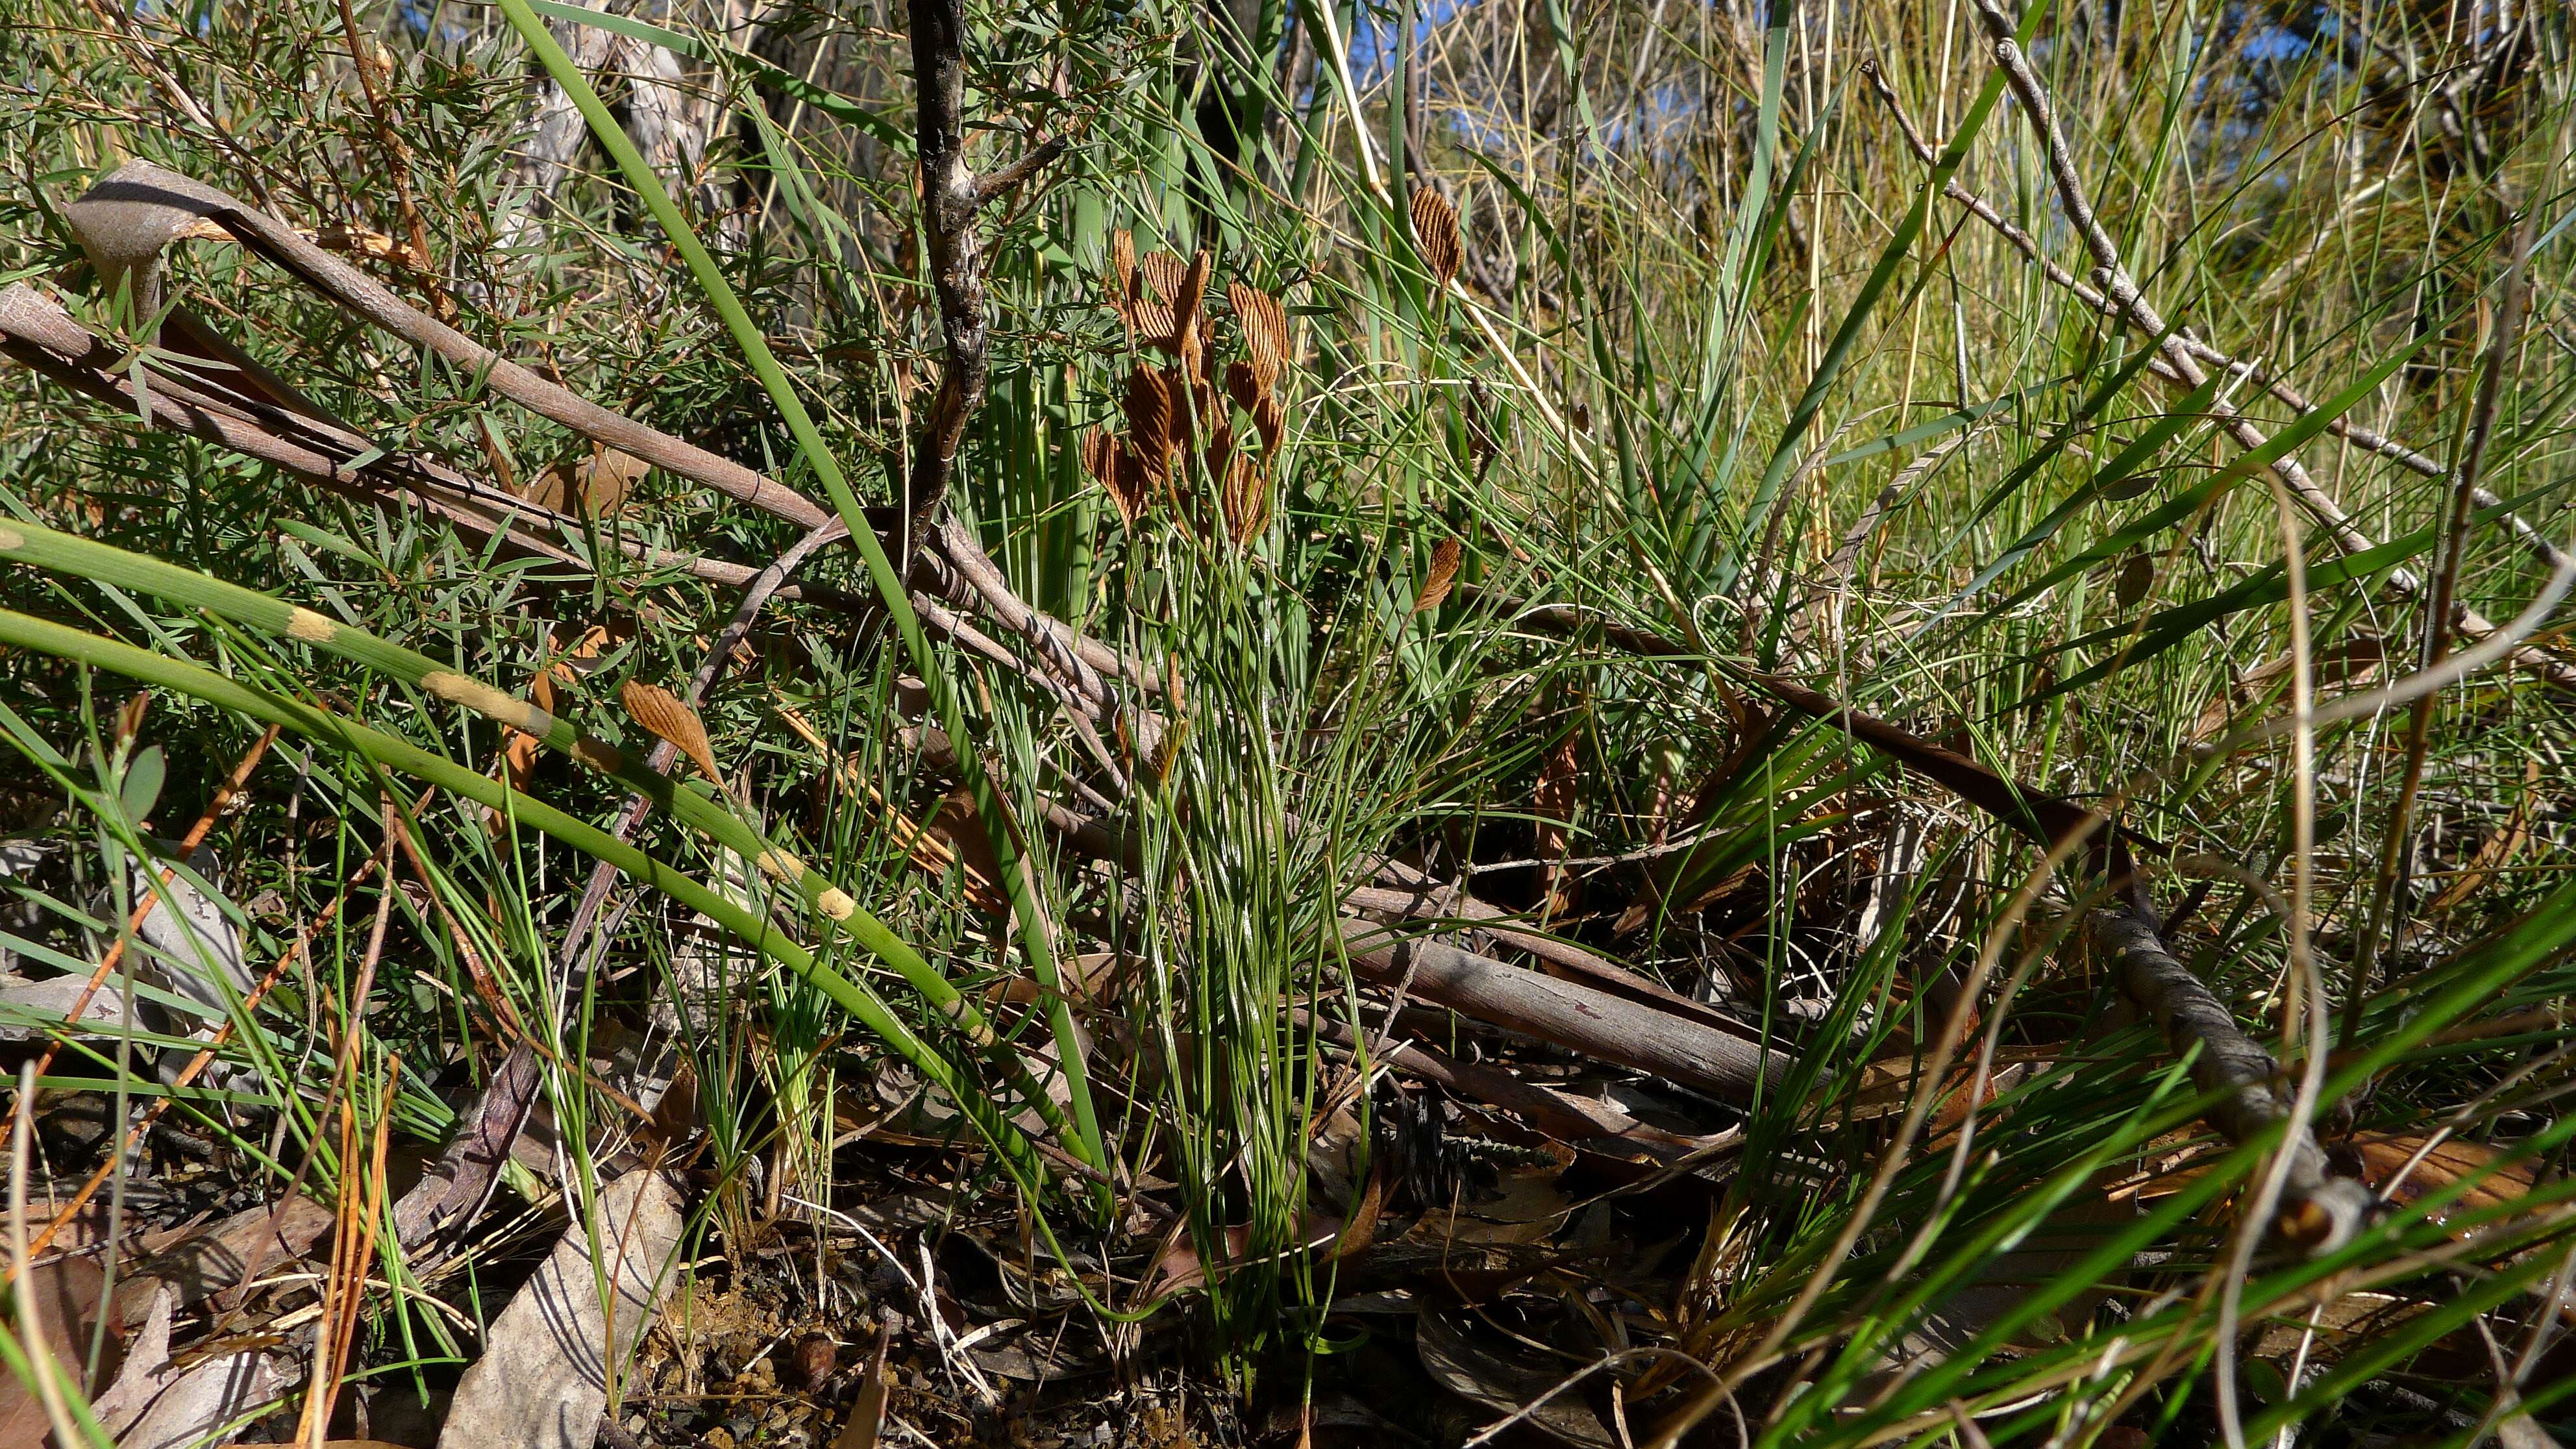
1593 1023
1570 960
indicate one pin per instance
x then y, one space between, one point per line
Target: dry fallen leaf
2390 1165
1461 1359
542 1381
63 1298
660 711
596 483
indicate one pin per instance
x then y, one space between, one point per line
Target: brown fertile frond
1444 573
1217 444
1245 499
1122 262
661 712
1164 274
1154 323
1099 455
1271 421
1435 231
1150 427
1243 385
1127 483
1265 330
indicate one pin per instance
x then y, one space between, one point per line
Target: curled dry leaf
1444 573
660 711
1435 231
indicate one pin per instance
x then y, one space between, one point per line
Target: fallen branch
1595 1024
2317 1210
127 222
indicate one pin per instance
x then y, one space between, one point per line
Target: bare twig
2437 617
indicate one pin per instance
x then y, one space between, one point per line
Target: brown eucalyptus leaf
2136 577
1444 573
660 711
1435 231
